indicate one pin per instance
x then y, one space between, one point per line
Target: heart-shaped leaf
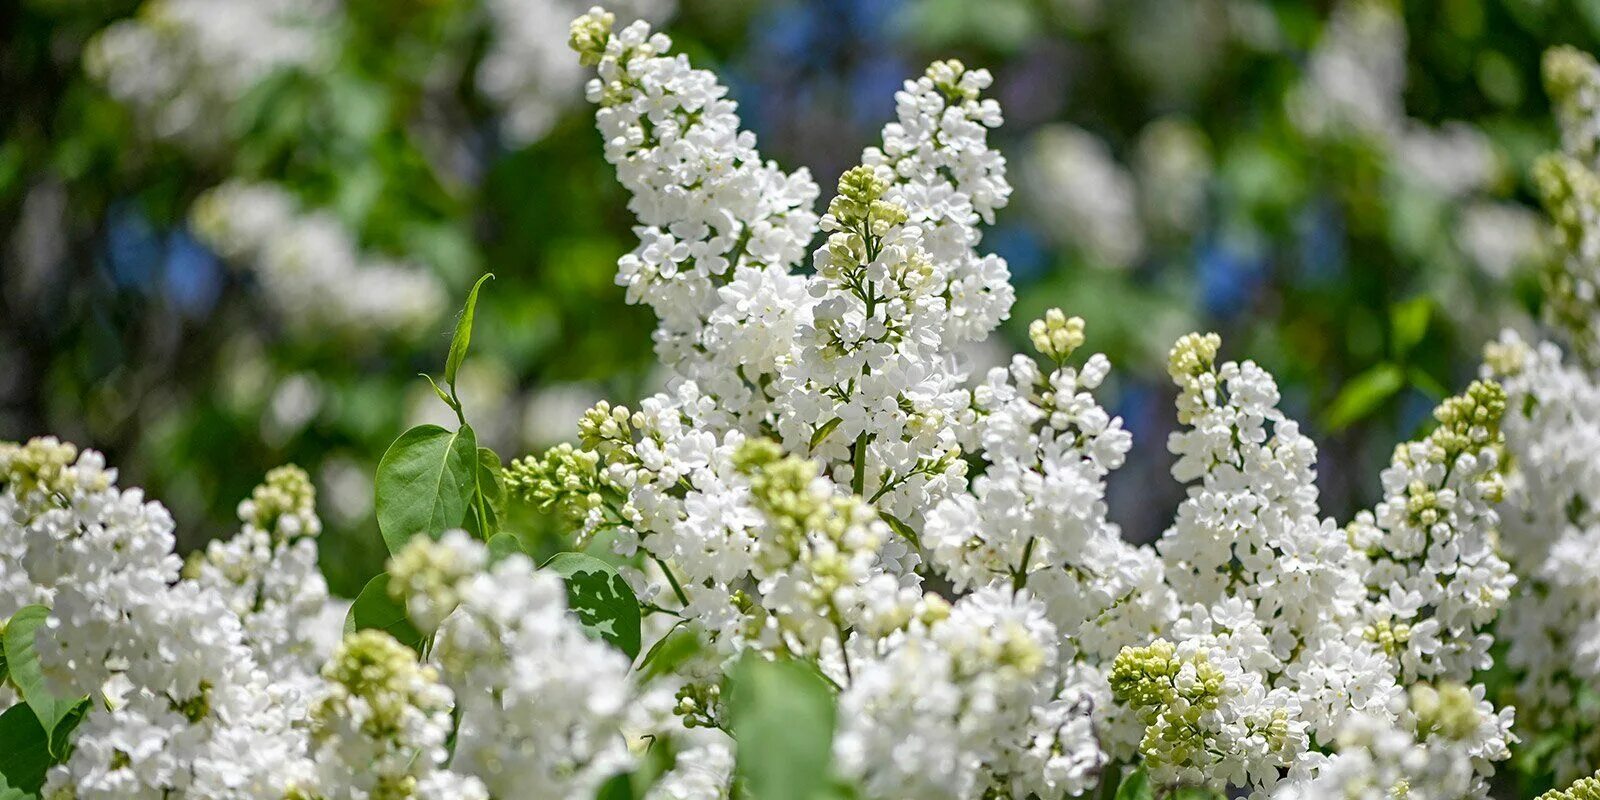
425 483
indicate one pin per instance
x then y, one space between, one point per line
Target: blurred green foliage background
1339 188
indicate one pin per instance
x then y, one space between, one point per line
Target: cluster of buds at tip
1056 336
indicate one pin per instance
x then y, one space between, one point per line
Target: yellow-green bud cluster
589 34
371 665
565 480
605 430
781 488
1470 422
859 208
1056 336
1392 638
700 705
1447 710
285 504
1147 678
1193 358
1584 789
1194 354
426 577
38 465
946 76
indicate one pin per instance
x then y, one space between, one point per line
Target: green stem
858 459
1019 579
677 588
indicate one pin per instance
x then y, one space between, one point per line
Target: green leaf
1363 395
619 787
781 715
825 430
503 544
24 749
677 646
61 737
374 608
600 598
658 758
22 660
9 792
463 337
490 482
493 491
425 483
1136 786
444 397
899 526
1409 321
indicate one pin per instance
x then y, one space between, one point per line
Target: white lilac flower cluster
177 703
181 65
822 482
820 461
310 266
1552 506
1432 746
543 707
205 681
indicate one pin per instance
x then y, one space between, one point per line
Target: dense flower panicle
1434 575
711 212
1552 531
1552 425
268 575
1036 516
95 554
947 178
543 707
967 701
310 265
873 386
1437 746
379 727
1271 588
179 705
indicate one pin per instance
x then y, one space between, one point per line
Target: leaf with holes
600 598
